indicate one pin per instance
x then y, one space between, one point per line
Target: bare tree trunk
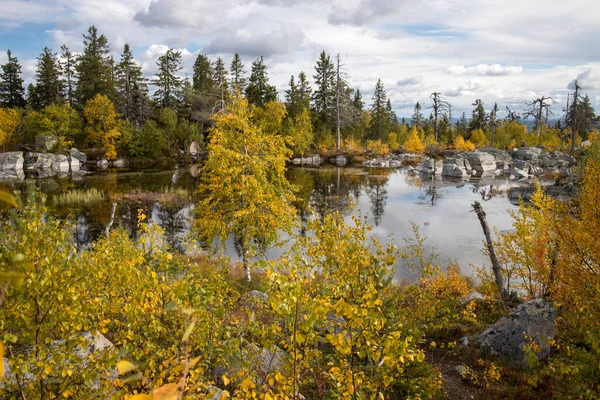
112 218
337 103
247 275
490 246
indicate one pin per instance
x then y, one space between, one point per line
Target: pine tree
32 98
219 74
11 83
202 80
358 102
391 114
479 116
380 119
132 89
291 98
304 90
168 93
94 72
68 67
417 118
238 74
49 86
259 92
324 95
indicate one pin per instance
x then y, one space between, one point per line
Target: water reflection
389 198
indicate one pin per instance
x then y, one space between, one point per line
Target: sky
504 51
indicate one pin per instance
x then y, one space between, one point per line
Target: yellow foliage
378 147
414 143
478 138
102 127
392 141
461 145
351 146
9 120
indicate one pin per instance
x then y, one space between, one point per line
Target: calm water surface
390 199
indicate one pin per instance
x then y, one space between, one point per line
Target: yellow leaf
8 199
167 392
188 331
124 367
140 397
226 380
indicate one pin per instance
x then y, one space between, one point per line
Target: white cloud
471 88
486 70
587 80
410 81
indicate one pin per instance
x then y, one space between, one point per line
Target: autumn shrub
478 138
378 147
392 141
9 121
461 145
414 144
352 146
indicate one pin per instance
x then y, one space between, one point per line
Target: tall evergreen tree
168 93
478 120
493 122
68 67
358 102
238 74
94 71
202 80
391 114
259 92
219 74
32 98
132 89
291 98
380 119
11 83
417 117
304 90
49 86
324 95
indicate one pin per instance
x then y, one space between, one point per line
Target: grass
85 197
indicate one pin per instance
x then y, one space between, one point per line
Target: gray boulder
11 161
45 143
457 167
308 160
339 160
528 154
78 155
431 167
59 163
509 338
481 161
214 393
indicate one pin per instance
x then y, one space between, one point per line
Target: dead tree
438 106
538 109
490 247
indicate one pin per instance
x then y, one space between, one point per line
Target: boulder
308 160
517 173
194 148
431 167
118 163
528 154
259 360
102 163
509 338
481 161
12 175
339 160
214 393
586 144
78 155
11 161
45 143
59 163
457 168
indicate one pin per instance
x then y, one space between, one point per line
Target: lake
390 199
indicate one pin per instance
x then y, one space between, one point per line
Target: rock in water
78 155
194 148
11 161
530 322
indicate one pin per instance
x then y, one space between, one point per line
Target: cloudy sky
505 51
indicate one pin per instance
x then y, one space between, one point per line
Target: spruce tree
357 102
291 97
259 92
238 74
380 118
304 90
32 98
169 85
478 121
132 89
324 95
202 80
417 117
11 84
49 86
68 67
219 74
94 72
